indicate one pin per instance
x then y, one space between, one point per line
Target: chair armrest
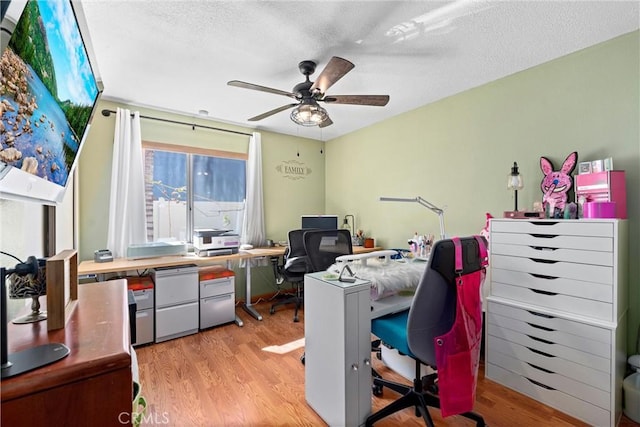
297 264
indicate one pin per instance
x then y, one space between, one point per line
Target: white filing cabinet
142 287
217 298
144 316
337 329
176 290
557 313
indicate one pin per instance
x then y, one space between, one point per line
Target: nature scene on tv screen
47 91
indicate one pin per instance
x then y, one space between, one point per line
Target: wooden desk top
123 264
97 335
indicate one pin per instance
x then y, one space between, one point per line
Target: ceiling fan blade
374 100
334 71
245 85
271 113
327 122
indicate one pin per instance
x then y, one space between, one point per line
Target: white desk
123 265
389 305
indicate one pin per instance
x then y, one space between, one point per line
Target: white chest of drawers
557 313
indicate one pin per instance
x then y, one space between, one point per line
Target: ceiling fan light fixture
309 114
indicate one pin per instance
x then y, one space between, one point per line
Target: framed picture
608 164
596 166
584 167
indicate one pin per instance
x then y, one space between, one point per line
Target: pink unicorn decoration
556 184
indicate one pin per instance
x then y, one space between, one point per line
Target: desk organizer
607 186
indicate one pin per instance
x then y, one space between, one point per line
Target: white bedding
387 276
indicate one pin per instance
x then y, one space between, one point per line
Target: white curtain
253 223
126 206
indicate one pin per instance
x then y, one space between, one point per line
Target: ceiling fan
307 111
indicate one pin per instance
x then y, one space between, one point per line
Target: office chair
439 306
324 246
295 265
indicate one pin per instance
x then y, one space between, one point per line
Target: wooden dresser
93 384
557 313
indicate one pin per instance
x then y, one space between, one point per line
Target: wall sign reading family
293 169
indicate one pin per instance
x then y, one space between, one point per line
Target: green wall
286 197
458 152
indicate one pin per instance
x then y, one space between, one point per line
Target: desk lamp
349 226
433 208
515 183
31 358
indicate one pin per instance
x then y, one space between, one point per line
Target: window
190 188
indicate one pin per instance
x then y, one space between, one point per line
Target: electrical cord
12 256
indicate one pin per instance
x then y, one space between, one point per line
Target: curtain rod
107 113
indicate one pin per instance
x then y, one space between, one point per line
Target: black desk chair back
425 325
324 246
295 265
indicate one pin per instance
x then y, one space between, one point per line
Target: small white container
631 388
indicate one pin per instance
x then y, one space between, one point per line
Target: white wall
22 233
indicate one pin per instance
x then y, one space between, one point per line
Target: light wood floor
222 377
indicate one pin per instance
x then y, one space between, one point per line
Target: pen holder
369 242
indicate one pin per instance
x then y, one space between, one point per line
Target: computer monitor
323 222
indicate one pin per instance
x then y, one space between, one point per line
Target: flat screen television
323 222
49 88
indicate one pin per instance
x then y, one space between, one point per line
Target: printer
212 242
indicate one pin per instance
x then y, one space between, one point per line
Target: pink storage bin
607 186
599 210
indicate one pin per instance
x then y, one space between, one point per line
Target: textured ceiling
178 55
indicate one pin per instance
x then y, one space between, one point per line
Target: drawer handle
543 248
543 236
543 276
216 298
538 291
540 327
546 316
541 340
544 261
219 283
541 353
543 223
539 384
540 368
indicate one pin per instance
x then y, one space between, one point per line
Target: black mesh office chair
324 246
293 268
432 314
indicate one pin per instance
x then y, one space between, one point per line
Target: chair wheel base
377 390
